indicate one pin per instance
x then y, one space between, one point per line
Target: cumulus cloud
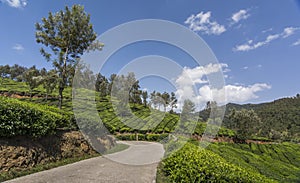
240 15
18 47
296 43
233 93
189 78
251 45
202 23
15 3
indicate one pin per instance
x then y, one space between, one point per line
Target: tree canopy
65 36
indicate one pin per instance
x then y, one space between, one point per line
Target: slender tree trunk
60 97
63 81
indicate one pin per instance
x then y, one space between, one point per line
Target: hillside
280 118
140 122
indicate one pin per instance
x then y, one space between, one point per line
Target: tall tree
4 72
187 117
67 34
49 81
16 72
173 102
111 80
145 97
188 110
32 78
166 97
101 85
245 122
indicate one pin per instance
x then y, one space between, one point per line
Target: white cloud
250 45
15 3
202 23
288 31
189 77
296 43
233 93
245 68
196 74
18 47
186 88
267 30
240 15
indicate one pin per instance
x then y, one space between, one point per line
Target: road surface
136 164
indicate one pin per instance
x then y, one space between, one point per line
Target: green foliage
277 161
22 118
32 79
49 82
280 118
67 34
193 164
245 122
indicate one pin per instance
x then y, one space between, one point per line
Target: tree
49 81
188 110
145 96
133 87
173 102
32 78
67 34
166 97
16 72
111 80
245 122
187 117
101 85
4 72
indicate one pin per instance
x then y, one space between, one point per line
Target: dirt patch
23 152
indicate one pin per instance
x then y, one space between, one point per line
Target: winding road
137 163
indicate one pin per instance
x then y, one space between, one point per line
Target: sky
256 43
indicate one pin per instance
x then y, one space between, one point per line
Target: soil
23 152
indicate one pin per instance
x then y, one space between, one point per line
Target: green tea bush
23 118
192 164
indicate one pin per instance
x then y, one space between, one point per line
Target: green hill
280 118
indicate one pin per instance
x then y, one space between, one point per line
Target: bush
22 118
192 164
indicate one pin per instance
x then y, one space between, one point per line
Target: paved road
136 164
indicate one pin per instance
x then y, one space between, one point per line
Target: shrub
23 118
192 164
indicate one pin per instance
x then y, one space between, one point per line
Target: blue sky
256 42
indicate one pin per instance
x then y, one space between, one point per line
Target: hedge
24 118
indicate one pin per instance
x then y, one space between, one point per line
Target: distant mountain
280 118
